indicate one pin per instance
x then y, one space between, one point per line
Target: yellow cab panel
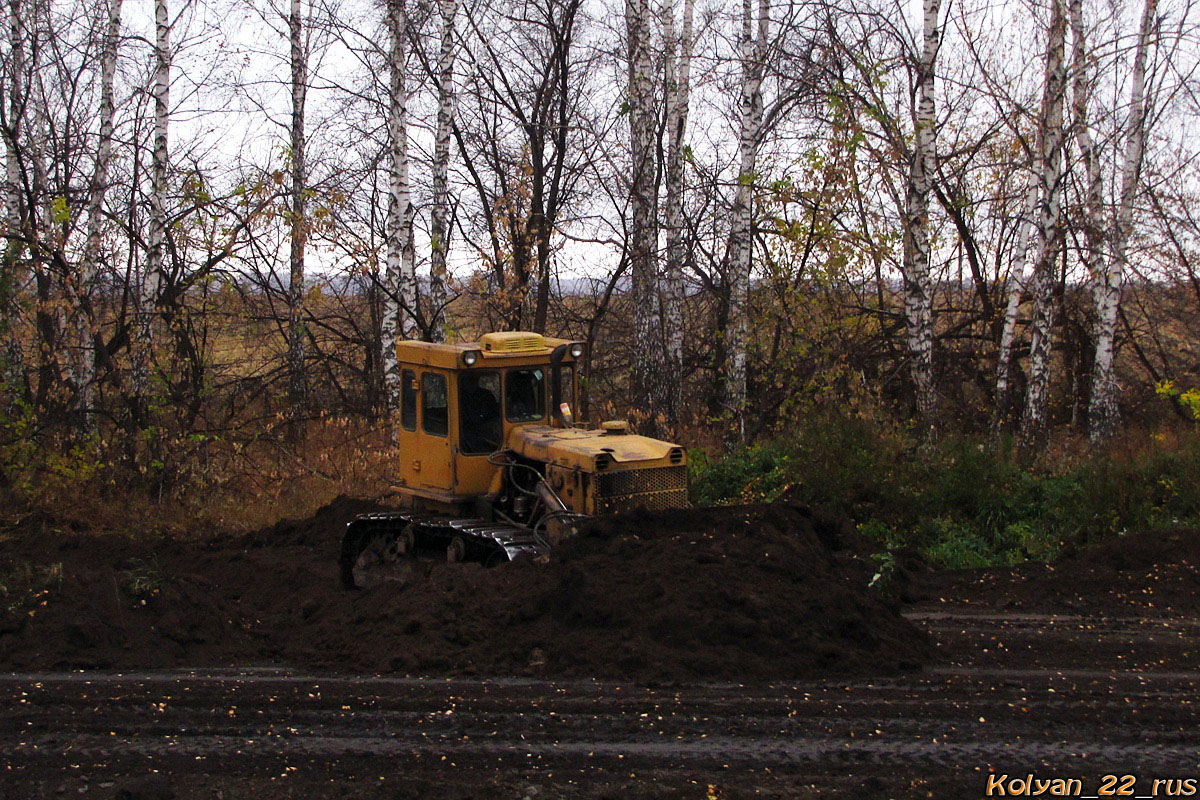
425 430
477 394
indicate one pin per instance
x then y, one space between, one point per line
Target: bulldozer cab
460 403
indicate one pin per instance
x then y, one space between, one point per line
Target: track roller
457 551
406 543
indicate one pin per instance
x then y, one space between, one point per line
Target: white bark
678 88
1081 124
85 326
297 330
918 285
151 277
1015 288
1103 413
400 285
741 235
409 328
440 213
1050 228
649 377
13 278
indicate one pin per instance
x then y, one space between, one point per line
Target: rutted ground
1010 694
1080 671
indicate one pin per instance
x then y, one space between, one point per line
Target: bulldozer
492 465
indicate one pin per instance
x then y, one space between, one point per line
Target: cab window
479 412
434 414
525 395
566 386
408 400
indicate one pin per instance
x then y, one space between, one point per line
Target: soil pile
759 593
1147 573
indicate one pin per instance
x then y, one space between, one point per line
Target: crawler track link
418 533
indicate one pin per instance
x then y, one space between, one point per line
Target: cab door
425 453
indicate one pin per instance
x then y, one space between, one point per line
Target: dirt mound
102 602
1144 573
736 594
322 529
769 592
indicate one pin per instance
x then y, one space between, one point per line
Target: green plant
961 502
885 570
758 473
24 586
143 579
959 549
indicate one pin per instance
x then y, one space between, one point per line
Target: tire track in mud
1062 692
696 752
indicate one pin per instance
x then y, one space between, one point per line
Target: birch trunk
85 326
409 302
43 234
741 233
1103 413
649 377
678 88
1050 229
1015 288
918 285
13 277
440 214
297 330
1080 94
148 290
399 302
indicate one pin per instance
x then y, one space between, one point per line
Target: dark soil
759 593
1147 573
1107 689
1008 693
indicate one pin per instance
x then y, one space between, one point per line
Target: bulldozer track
459 539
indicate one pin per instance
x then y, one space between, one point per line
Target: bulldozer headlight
470 357
576 350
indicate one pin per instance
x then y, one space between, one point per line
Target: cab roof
502 349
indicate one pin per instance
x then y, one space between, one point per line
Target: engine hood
577 449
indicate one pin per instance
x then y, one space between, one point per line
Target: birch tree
1014 289
1050 226
527 137
299 230
1081 127
918 286
12 278
400 282
678 88
439 216
44 235
753 59
86 329
649 378
1106 287
152 275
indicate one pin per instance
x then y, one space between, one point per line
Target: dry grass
213 486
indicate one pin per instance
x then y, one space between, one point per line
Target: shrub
961 502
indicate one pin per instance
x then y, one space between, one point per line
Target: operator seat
522 396
480 421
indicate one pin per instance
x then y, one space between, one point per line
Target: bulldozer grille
654 489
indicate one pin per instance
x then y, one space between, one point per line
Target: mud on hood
578 449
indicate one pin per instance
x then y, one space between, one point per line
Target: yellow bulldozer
491 463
